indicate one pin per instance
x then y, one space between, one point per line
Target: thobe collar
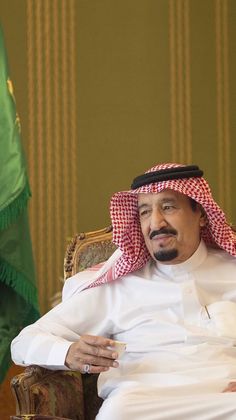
175 270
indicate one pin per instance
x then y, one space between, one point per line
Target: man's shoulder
144 272
220 256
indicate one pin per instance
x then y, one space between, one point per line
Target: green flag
18 294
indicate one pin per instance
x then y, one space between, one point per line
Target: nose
157 220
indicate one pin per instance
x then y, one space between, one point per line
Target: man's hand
231 387
92 351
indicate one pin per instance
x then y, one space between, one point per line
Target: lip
162 237
162 241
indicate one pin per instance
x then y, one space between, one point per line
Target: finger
81 347
98 361
97 340
96 369
81 353
231 388
96 350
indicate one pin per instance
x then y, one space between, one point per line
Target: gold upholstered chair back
88 249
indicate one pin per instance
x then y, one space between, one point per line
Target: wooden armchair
65 394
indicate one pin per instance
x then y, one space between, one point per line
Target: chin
163 255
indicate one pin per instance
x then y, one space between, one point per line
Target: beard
166 255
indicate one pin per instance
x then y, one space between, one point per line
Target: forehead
165 195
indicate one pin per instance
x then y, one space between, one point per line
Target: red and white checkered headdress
127 233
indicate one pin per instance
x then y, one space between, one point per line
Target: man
169 292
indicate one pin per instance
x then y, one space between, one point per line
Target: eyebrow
169 200
140 206
163 200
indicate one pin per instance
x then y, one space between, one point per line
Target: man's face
171 228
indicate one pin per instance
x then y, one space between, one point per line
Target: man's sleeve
46 342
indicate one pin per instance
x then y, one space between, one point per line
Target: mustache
163 231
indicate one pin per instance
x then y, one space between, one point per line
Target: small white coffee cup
119 347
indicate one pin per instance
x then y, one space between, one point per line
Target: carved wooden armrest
37 417
45 392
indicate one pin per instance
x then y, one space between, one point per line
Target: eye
144 212
168 207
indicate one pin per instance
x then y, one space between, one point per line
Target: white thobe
177 361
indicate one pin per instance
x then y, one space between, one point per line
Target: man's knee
115 407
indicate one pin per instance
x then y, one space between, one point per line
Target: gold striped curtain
181 90
52 146
222 95
180 84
